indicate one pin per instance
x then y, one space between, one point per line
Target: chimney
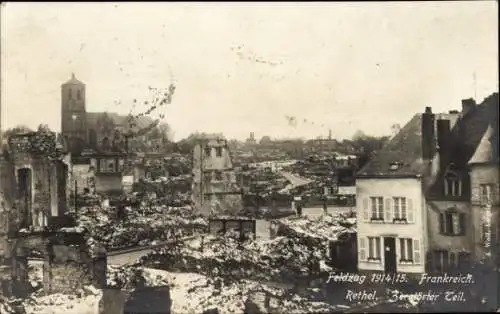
428 136
468 105
443 139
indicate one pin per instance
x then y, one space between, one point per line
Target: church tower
73 114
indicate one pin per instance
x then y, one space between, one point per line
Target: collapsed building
215 190
36 218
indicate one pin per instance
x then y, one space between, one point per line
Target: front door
390 254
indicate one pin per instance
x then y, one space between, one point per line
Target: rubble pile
195 293
280 259
324 227
160 224
84 301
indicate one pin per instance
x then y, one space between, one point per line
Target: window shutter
462 223
416 251
366 212
387 210
409 209
362 249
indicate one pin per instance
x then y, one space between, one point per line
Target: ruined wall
71 267
113 301
108 183
84 177
215 190
42 187
222 204
67 278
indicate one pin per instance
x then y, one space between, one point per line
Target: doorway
390 254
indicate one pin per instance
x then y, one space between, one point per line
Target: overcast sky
242 68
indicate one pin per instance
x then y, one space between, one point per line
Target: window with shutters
452 184
400 209
486 194
452 223
377 208
406 250
374 248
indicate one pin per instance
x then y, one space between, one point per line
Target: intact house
484 180
414 196
215 189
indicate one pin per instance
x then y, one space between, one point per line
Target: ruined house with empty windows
215 190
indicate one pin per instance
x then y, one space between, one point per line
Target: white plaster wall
388 188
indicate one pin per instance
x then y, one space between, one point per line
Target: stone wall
70 267
84 177
113 301
67 278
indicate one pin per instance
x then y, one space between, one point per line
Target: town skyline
260 65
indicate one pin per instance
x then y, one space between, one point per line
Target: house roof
475 126
486 146
483 152
401 156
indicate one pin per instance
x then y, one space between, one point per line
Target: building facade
215 190
423 199
484 177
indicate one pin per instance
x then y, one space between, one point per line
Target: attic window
395 166
452 184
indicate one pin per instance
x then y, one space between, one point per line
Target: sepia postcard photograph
249 158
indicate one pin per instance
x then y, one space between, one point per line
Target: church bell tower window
70 94
78 95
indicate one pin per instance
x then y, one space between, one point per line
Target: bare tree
160 99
